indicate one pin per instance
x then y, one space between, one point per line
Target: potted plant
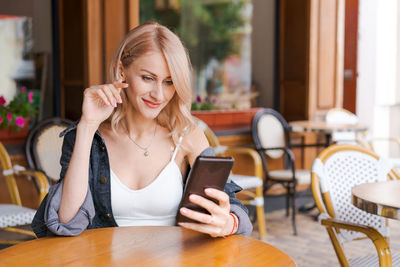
15 116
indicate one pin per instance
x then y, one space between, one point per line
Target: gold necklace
145 149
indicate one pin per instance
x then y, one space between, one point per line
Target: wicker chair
335 171
252 185
12 215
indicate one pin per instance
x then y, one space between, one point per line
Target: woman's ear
121 72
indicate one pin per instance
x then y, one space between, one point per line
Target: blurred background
300 57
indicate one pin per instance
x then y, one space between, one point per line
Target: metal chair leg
287 200
294 210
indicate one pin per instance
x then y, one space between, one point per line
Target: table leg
328 139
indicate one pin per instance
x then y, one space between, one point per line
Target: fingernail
183 210
208 190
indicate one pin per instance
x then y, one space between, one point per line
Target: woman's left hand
218 222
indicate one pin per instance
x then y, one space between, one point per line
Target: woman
124 162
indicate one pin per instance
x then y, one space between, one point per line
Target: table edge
379 209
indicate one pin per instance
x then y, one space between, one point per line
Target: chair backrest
211 137
342 116
334 172
43 146
339 115
270 130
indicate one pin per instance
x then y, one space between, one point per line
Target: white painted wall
366 80
378 94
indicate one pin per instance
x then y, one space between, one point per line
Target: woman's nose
156 92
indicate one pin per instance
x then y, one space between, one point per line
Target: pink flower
20 121
1 119
23 89
30 97
2 101
9 117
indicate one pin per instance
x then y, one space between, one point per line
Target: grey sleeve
245 226
86 212
77 224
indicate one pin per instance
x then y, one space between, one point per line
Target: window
217 34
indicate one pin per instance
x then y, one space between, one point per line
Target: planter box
9 136
231 119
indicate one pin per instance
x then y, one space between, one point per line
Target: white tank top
155 204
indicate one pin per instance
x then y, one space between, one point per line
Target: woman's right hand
99 102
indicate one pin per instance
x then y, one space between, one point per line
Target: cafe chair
43 147
270 133
14 214
342 116
252 193
334 172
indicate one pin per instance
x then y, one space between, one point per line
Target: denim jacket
96 211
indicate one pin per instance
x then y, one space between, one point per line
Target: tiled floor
312 246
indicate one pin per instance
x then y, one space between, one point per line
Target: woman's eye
169 82
147 78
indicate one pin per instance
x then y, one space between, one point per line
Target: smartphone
206 172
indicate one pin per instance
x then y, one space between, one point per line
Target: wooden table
144 246
326 128
382 198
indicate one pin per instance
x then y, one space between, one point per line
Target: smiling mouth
151 104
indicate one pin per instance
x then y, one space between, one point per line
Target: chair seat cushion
13 215
372 260
302 176
246 182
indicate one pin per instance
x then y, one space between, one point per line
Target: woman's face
150 84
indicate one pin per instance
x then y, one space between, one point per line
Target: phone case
207 172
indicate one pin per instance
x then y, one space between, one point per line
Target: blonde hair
151 36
